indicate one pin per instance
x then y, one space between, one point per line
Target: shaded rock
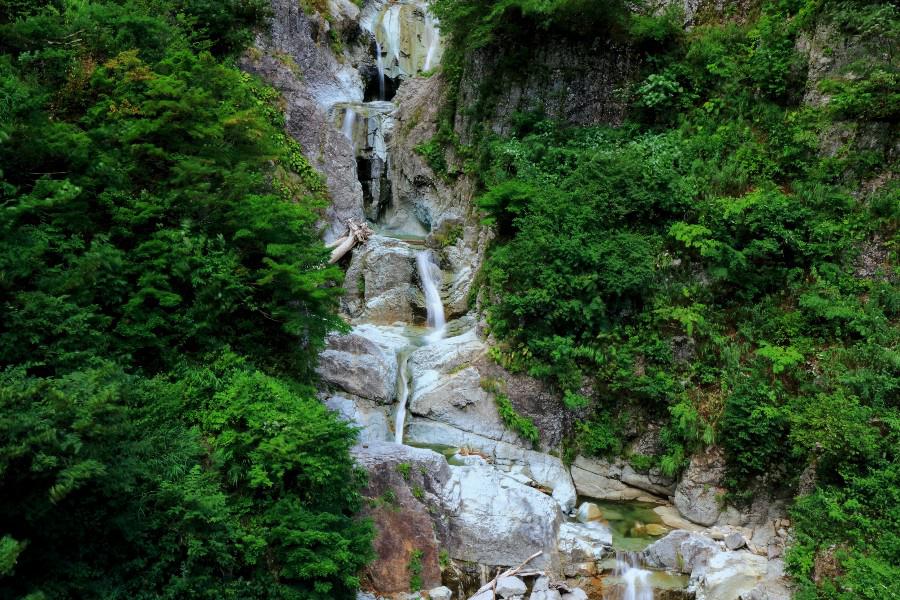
363 362
681 551
533 399
698 493
575 594
602 479
497 521
735 541
569 80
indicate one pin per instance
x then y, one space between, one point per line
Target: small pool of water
628 521
449 452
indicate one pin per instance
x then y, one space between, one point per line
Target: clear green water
447 451
625 520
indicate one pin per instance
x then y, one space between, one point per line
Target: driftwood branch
357 233
492 584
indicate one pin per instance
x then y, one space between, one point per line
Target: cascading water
434 41
636 583
379 64
349 122
430 275
402 396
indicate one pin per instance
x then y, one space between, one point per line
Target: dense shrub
163 296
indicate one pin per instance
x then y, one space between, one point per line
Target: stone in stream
588 511
575 594
680 551
730 575
581 543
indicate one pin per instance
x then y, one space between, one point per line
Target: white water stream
379 64
431 277
636 583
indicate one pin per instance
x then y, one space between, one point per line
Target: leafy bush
163 296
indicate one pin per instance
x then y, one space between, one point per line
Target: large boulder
370 418
363 362
495 520
540 469
404 489
681 551
699 492
379 282
729 575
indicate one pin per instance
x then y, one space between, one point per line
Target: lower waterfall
635 580
430 275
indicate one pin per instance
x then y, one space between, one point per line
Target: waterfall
379 63
431 276
635 580
434 40
347 126
402 396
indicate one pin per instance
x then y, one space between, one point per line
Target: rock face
368 416
446 388
294 57
363 362
523 465
617 480
405 484
571 80
698 494
495 520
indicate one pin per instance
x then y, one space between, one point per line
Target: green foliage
405 469
415 570
699 265
524 426
160 277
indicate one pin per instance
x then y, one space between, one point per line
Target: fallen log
492 584
357 233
